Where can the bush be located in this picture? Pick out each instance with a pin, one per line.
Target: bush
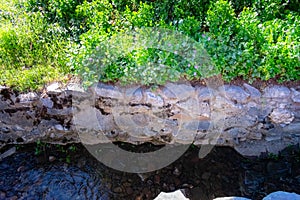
(253, 45)
(27, 45)
(41, 40)
(62, 12)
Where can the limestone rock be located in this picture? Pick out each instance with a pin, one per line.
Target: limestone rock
(281, 116)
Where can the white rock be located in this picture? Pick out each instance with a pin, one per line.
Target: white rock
(282, 116)
(177, 195)
(280, 195)
(75, 87)
(25, 98)
(54, 88)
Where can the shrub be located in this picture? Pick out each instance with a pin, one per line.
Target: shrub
(28, 44)
(62, 12)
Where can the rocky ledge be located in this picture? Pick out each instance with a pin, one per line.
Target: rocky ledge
(250, 120)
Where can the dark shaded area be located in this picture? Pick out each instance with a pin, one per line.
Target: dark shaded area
(43, 171)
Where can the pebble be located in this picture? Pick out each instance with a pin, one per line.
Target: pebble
(21, 169)
(176, 172)
(52, 158)
(117, 190)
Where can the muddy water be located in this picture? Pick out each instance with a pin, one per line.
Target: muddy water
(56, 172)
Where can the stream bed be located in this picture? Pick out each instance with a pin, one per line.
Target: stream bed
(44, 171)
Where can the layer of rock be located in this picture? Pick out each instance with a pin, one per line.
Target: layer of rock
(245, 118)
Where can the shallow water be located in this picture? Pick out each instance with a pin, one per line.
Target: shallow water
(71, 173)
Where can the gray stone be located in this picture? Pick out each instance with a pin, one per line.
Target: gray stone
(137, 96)
(192, 108)
(59, 112)
(191, 125)
(185, 136)
(59, 127)
(168, 95)
(281, 116)
(204, 94)
(204, 110)
(251, 148)
(276, 92)
(254, 93)
(108, 91)
(75, 87)
(4, 104)
(181, 91)
(234, 134)
(295, 96)
(236, 93)
(292, 128)
(29, 97)
(203, 125)
(173, 114)
(7, 153)
(280, 195)
(271, 138)
(153, 99)
(47, 102)
(225, 106)
(4, 129)
(240, 121)
(254, 135)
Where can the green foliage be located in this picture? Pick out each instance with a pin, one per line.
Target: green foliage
(31, 52)
(269, 9)
(43, 40)
(62, 12)
(254, 45)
